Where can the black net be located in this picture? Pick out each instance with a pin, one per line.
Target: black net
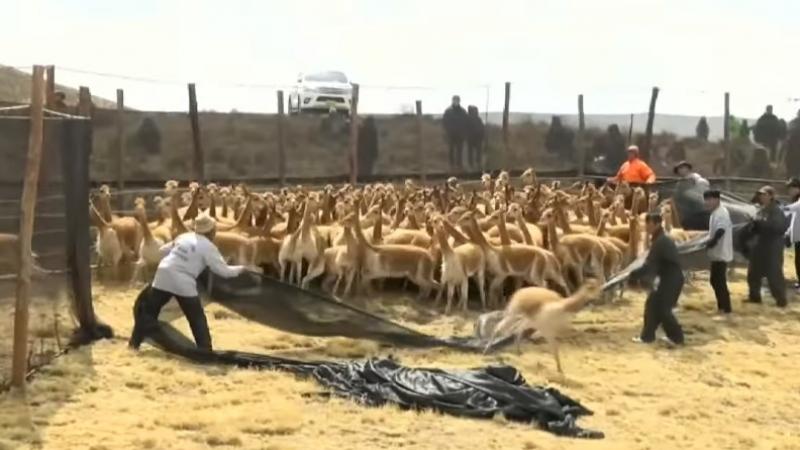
(60, 295)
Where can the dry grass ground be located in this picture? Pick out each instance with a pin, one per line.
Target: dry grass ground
(735, 386)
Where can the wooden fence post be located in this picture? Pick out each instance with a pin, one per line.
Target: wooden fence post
(19, 366)
(630, 131)
(354, 136)
(50, 86)
(84, 102)
(421, 167)
(121, 143)
(648, 132)
(726, 141)
(281, 142)
(506, 104)
(199, 160)
(581, 145)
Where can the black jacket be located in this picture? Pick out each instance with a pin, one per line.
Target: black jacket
(455, 122)
(663, 261)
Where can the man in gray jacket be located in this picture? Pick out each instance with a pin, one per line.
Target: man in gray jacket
(766, 256)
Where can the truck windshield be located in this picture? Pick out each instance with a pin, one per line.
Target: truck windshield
(337, 77)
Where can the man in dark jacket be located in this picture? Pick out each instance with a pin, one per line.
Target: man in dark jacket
(559, 139)
(475, 136)
(767, 131)
(662, 261)
(455, 127)
(367, 146)
(766, 256)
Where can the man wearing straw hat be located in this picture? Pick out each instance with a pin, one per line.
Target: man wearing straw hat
(186, 258)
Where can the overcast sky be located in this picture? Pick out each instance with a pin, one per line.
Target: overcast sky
(612, 51)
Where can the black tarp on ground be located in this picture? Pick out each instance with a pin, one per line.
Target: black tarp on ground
(289, 308)
(477, 393)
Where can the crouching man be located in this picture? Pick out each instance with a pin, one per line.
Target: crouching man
(187, 257)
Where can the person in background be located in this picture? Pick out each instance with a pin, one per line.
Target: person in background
(367, 150)
(559, 139)
(634, 170)
(662, 261)
(793, 232)
(186, 258)
(475, 138)
(702, 130)
(684, 170)
(767, 132)
(455, 127)
(766, 256)
(720, 248)
(792, 147)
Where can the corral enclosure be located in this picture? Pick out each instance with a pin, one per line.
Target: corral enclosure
(242, 145)
(57, 280)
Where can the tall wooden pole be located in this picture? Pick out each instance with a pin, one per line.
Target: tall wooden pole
(422, 169)
(506, 104)
(354, 136)
(581, 147)
(630, 131)
(648, 132)
(84, 102)
(199, 159)
(19, 366)
(50, 86)
(726, 139)
(281, 142)
(120, 156)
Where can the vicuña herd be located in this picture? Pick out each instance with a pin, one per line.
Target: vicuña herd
(438, 238)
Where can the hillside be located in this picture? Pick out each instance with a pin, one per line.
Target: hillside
(15, 87)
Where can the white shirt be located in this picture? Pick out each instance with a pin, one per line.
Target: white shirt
(188, 256)
(721, 220)
(794, 229)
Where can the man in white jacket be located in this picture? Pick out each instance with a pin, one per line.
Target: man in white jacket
(187, 257)
(793, 232)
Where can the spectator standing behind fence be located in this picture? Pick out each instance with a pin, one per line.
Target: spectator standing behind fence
(701, 131)
(634, 170)
(767, 131)
(559, 139)
(611, 147)
(475, 138)
(455, 122)
(792, 146)
(367, 146)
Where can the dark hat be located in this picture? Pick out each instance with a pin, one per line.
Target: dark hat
(793, 182)
(769, 190)
(711, 193)
(686, 164)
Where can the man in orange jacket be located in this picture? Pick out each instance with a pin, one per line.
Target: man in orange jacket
(634, 170)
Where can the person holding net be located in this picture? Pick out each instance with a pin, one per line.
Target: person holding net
(186, 258)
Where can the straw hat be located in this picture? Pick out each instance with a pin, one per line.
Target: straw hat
(204, 224)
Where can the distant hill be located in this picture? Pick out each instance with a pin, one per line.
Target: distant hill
(15, 87)
(678, 125)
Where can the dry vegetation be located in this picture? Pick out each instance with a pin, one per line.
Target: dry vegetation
(15, 87)
(734, 386)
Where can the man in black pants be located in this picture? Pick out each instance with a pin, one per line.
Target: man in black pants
(720, 248)
(455, 122)
(662, 260)
(186, 257)
(766, 257)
